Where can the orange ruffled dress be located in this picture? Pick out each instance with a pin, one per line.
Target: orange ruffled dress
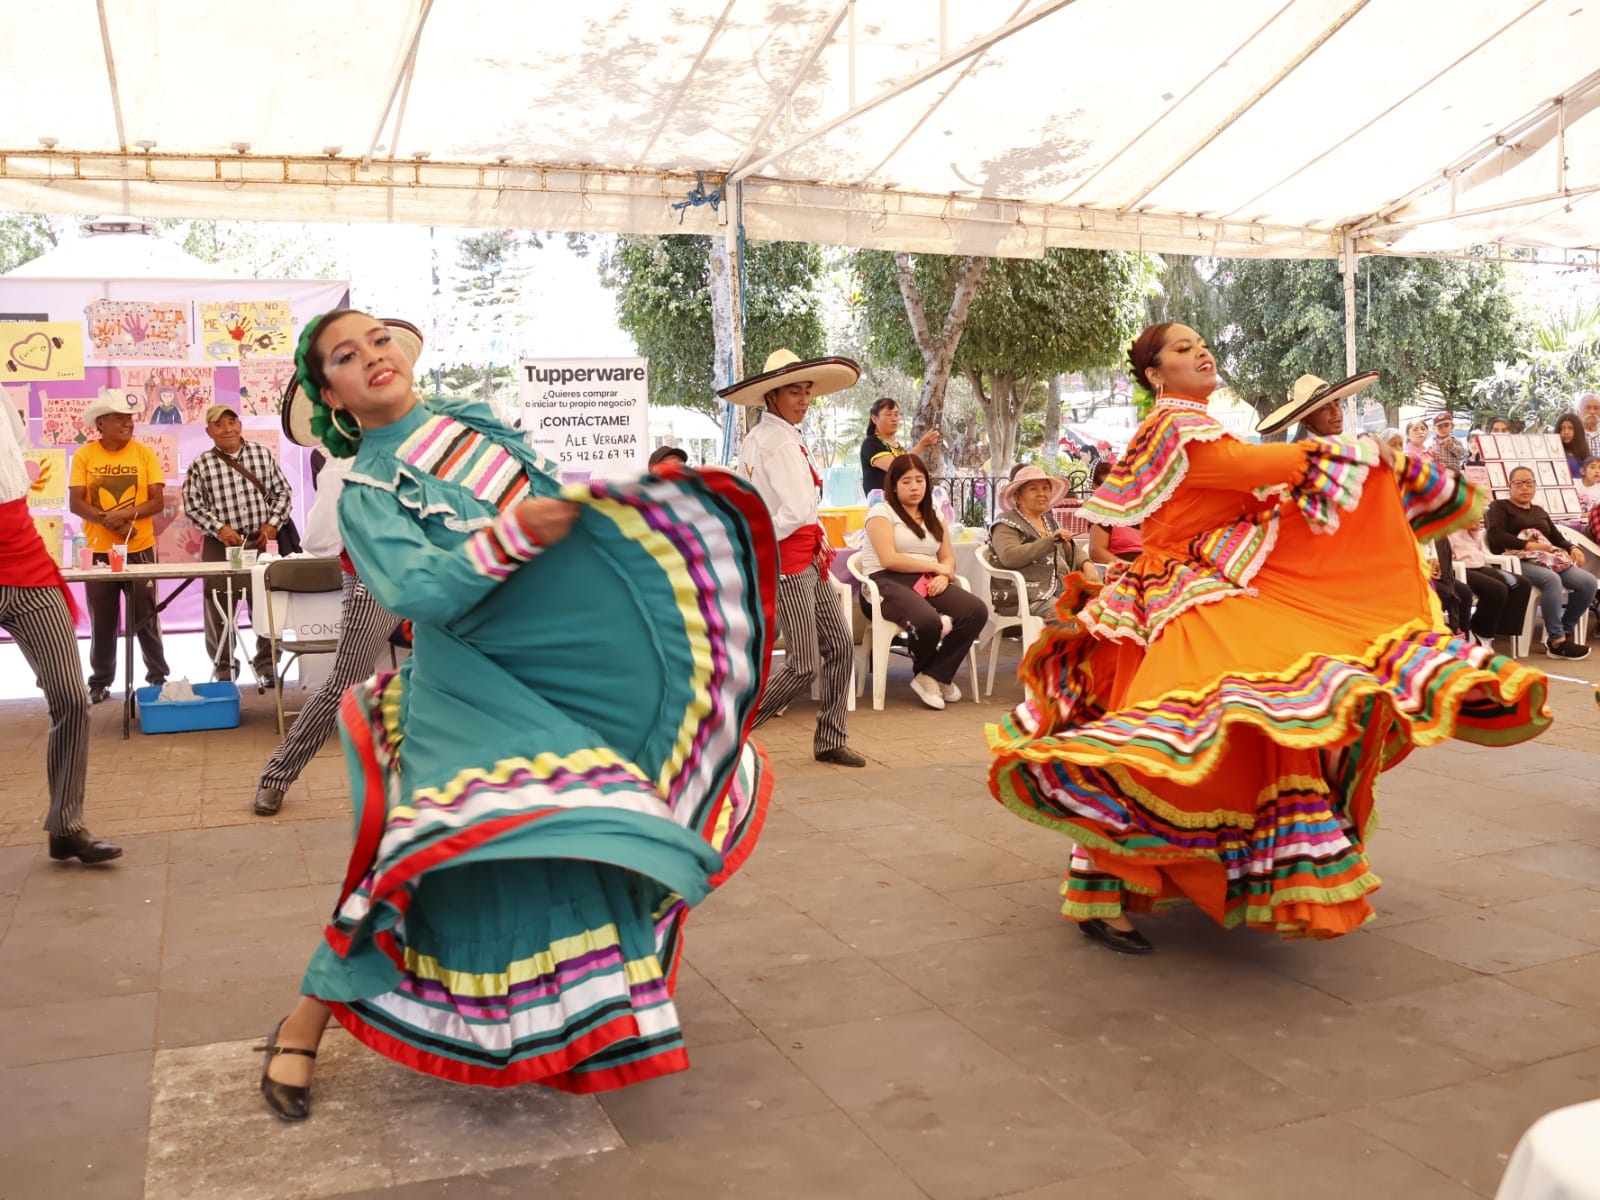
(1211, 725)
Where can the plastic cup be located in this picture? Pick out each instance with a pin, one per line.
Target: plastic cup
(250, 557)
(236, 557)
(118, 556)
(86, 558)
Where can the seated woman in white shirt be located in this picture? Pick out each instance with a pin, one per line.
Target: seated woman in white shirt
(907, 553)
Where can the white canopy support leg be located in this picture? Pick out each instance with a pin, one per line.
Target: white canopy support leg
(727, 316)
(1347, 266)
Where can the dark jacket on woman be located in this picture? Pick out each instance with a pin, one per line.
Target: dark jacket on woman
(1016, 545)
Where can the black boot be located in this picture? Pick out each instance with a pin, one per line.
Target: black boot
(83, 846)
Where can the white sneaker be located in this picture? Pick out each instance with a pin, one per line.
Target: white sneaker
(927, 691)
(951, 693)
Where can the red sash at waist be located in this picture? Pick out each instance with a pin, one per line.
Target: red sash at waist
(24, 562)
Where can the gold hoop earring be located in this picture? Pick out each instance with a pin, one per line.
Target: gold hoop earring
(333, 416)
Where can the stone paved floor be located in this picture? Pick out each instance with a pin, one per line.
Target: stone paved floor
(883, 1004)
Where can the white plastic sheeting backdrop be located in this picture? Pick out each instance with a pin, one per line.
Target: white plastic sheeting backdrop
(1255, 127)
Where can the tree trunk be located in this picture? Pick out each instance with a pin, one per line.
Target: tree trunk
(1002, 403)
(938, 351)
(1052, 421)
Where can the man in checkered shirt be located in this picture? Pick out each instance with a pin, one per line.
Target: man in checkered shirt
(228, 506)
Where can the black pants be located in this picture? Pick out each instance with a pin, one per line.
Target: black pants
(932, 655)
(105, 603)
(220, 629)
(1455, 598)
(1501, 605)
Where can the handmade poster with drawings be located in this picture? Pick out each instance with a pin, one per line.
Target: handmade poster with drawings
(47, 478)
(1497, 473)
(270, 438)
(1545, 472)
(178, 539)
(41, 350)
(137, 329)
(173, 395)
(166, 447)
(262, 382)
(234, 329)
(51, 531)
(61, 420)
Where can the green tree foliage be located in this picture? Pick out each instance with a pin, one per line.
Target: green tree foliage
(1558, 361)
(664, 305)
(1071, 310)
(23, 238)
(1430, 327)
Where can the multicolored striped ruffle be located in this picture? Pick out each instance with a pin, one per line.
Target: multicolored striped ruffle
(1437, 502)
(1151, 467)
(1156, 589)
(497, 550)
(1293, 856)
(1336, 471)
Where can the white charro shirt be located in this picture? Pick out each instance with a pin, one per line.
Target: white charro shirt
(775, 459)
(13, 469)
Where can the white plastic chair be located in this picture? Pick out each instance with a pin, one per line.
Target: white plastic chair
(884, 631)
(1030, 625)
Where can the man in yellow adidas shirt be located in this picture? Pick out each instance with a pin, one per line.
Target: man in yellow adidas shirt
(116, 487)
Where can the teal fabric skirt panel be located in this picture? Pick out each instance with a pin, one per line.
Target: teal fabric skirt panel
(545, 789)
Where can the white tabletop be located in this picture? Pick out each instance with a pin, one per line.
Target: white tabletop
(100, 572)
(1558, 1158)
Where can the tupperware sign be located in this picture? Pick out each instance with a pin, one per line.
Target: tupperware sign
(589, 414)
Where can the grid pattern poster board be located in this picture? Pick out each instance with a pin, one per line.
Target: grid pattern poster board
(1541, 453)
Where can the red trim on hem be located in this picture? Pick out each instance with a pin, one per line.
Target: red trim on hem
(553, 1070)
(747, 844)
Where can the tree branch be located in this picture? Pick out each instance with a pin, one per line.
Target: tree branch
(972, 272)
(916, 314)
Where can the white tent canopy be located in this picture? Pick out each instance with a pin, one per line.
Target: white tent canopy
(1259, 127)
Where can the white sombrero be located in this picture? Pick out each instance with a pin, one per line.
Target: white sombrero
(295, 409)
(827, 375)
(112, 402)
(1309, 394)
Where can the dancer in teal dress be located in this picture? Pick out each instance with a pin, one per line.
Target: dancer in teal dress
(562, 768)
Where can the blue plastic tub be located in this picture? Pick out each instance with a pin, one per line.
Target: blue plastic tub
(217, 708)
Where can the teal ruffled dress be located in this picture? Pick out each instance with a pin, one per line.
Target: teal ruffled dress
(562, 768)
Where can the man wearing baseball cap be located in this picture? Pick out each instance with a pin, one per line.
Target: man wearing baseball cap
(236, 494)
(117, 487)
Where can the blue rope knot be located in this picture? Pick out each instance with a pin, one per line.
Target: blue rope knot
(698, 195)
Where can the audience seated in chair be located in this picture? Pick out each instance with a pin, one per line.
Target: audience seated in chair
(907, 553)
(1112, 543)
(1026, 538)
(1550, 563)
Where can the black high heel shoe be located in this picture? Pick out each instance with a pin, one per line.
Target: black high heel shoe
(290, 1103)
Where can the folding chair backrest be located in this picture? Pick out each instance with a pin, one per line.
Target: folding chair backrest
(305, 575)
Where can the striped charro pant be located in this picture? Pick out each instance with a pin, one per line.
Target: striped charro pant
(814, 636)
(38, 621)
(364, 627)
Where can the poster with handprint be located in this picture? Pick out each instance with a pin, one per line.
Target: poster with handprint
(261, 385)
(137, 329)
(235, 329)
(40, 350)
(173, 395)
(178, 539)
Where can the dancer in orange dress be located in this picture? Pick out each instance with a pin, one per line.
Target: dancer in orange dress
(1211, 724)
